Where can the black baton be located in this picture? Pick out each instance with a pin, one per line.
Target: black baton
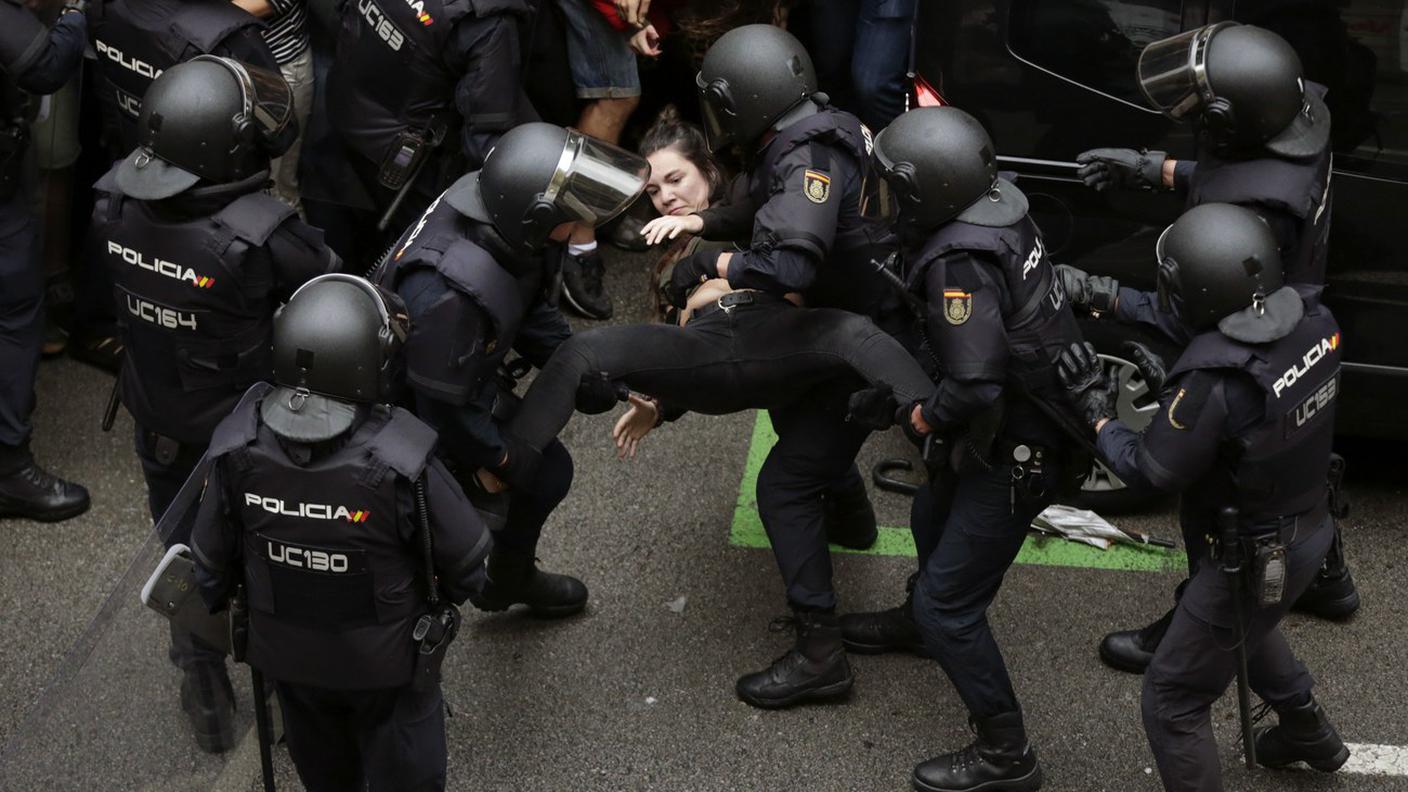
(261, 727)
(1232, 566)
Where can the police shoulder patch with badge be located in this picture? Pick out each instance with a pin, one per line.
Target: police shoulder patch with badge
(816, 185)
(958, 306)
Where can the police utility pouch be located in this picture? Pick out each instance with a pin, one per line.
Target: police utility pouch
(1268, 571)
(433, 634)
(172, 592)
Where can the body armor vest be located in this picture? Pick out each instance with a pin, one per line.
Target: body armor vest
(458, 248)
(1279, 467)
(334, 580)
(1299, 188)
(846, 278)
(390, 75)
(1038, 324)
(195, 307)
(136, 40)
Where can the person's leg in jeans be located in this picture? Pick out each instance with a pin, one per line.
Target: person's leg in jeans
(827, 28)
(605, 73)
(298, 73)
(881, 59)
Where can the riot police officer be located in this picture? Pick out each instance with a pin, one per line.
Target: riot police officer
(329, 507)
(1246, 420)
(471, 273)
(201, 256)
(1264, 143)
(33, 60)
(806, 209)
(995, 320)
(420, 92)
(135, 41)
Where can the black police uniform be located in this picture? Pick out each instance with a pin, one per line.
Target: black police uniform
(428, 74)
(196, 284)
(33, 60)
(1248, 425)
(997, 319)
(472, 301)
(136, 40)
(326, 540)
(810, 233)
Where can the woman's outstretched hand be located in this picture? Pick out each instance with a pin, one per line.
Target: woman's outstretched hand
(670, 226)
(633, 425)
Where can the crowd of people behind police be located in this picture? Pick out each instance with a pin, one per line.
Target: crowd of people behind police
(348, 459)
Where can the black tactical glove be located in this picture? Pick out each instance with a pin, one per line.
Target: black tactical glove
(1149, 364)
(1093, 293)
(689, 272)
(874, 408)
(1104, 168)
(1088, 390)
(598, 394)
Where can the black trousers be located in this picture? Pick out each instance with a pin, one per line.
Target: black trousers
(165, 466)
(968, 536)
(21, 323)
(801, 364)
(377, 740)
(1195, 663)
(760, 356)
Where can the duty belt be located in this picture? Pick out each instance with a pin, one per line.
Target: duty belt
(734, 299)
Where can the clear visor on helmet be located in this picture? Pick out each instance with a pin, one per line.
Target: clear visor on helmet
(595, 181)
(1167, 281)
(1173, 72)
(716, 106)
(268, 102)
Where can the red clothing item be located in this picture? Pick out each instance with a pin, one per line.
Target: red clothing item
(658, 15)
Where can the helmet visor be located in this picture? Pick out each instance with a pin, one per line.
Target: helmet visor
(1173, 72)
(595, 181)
(268, 101)
(716, 106)
(1167, 281)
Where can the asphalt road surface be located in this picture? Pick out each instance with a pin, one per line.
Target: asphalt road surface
(637, 693)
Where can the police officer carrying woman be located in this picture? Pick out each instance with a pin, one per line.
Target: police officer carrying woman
(810, 216)
(995, 320)
(471, 273)
(201, 257)
(1246, 421)
(347, 536)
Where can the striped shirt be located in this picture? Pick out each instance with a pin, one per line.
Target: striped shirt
(286, 32)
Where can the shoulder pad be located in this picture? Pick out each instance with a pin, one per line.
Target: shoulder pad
(241, 426)
(484, 8)
(207, 24)
(404, 443)
(254, 217)
(1212, 350)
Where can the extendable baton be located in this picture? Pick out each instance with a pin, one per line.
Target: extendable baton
(1233, 563)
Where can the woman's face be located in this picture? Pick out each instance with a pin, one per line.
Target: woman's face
(676, 187)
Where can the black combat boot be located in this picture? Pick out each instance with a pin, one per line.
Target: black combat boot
(31, 492)
(1332, 594)
(878, 632)
(1000, 760)
(1302, 734)
(849, 518)
(514, 579)
(1131, 650)
(209, 702)
(815, 668)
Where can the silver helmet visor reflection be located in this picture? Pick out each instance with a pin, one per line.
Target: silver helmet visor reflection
(1173, 72)
(594, 180)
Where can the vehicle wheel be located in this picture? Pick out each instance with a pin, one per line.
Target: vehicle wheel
(1135, 406)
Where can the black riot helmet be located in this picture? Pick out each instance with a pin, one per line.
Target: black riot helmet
(1219, 266)
(337, 344)
(1241, 83)
(210, 118)
(749, 80)
(540, 176)
(940, 166)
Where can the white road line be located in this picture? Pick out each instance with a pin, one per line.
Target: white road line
(1370, 759)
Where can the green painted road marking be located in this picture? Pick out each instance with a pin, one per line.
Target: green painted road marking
(747, 529)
